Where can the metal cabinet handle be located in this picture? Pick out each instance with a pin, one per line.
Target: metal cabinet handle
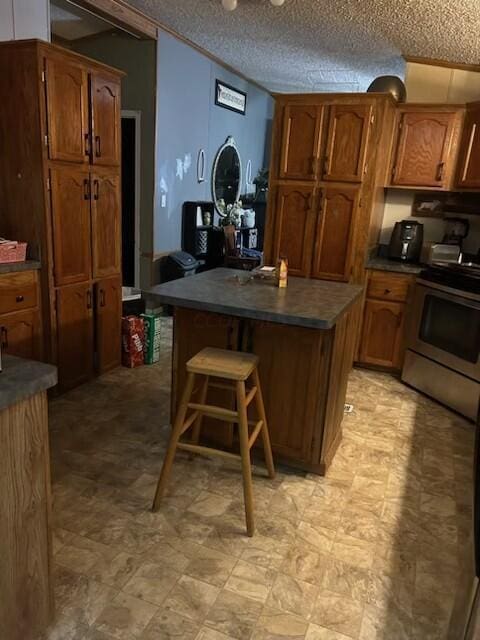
(4, 337)
(19, 299)
(325, 164)
(440, 169)
(96, 189)
(89, 299)
(87, 144)
(102, 297)
(201, 166)
(98, 148)
(387, 291)
(86, 189)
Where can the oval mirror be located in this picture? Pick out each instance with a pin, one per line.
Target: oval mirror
(226, 175)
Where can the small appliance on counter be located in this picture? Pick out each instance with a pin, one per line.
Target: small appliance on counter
(438, 252)
(406, 241)
(180, 264)
(456, 230)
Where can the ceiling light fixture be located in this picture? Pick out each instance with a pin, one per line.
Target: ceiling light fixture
(231, 5)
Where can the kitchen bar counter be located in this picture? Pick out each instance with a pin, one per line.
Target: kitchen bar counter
(316, 304)
(14, 267)
(22, 378)
(304, 336)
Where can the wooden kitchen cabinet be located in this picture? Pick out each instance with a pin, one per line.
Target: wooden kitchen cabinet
(108, 312)
(106, 207)
(346, 151)
(468, 175)
(75, 347)
(294, 227)
(106, 107)
(335, 233)
(67, 110)
(20, 334)
(70, 198)
(302, 127)
(425, 148)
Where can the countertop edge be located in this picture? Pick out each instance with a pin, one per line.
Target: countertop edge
(24, 379)
(18, 267)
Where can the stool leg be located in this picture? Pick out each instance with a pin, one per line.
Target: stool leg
(245, 455)
(172, 444)
(263, 416)
(197, 425)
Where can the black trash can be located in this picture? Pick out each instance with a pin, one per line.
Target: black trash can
(179, 265)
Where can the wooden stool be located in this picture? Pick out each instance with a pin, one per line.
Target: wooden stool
(229, 365)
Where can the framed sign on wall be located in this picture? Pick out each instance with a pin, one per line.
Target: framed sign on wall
(228, 97)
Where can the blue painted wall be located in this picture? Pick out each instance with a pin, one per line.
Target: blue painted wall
(188, 120)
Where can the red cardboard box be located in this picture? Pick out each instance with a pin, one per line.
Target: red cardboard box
(133, 337)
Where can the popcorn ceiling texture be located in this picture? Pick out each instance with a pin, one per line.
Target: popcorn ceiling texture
(324, 45)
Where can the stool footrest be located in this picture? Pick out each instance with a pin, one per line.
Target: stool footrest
(214, 412)
(254, 434)
(207, 451)
(250, 395)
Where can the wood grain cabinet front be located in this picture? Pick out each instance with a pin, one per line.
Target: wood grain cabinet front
(105, 98)
(424, 151)
(382, 333)
(302, 127)
(106, 208)
(20, 334)
(108, 313)
(468, 175)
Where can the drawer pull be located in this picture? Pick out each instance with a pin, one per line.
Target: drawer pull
(387, 291)
(19, 298)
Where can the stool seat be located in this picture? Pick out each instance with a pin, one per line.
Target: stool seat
(219, 363)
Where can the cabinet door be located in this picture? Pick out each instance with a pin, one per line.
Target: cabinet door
(20, 334)
(106, 235)
(105, 96)
(70, 198)
(382, 335)
(469, 160)
(423, 149)
(294, 227)
(75, 334)
(335, 235)
(346, 150)
(302, 125)
(108, 297)
(67, 111)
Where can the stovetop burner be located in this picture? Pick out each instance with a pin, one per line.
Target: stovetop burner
(464, 276)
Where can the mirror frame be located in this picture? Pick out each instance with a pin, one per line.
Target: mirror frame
(230, 142)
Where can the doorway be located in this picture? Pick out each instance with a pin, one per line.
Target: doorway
(131, 198)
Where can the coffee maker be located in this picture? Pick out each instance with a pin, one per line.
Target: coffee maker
(406, 241)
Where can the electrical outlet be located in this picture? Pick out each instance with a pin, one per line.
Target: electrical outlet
(163, 201)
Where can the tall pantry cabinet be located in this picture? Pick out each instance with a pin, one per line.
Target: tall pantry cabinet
(60, 191)
(327, 171)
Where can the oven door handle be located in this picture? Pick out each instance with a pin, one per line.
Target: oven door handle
(450, 292)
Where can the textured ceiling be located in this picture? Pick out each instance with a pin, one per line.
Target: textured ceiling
(324, 45)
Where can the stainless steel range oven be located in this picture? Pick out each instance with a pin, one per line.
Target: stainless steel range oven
(443, 343)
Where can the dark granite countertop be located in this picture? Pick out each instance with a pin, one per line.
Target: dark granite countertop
(22, 378)
(13, 267)
(316, 304)
(385, 264)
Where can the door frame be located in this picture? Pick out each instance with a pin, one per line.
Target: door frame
(137, 116)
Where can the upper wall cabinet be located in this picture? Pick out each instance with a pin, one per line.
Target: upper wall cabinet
(346, 152)
(425, 149)
(302, 127)
(468, 175)
(105, 96)
(67, 110)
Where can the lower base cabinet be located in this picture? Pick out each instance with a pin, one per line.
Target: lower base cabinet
(20, 334)
(382, 338)
(108, 317)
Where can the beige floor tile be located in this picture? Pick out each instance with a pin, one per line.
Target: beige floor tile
(346, 580)
(304, 564)
(125, 617)
(379, 624)
(191, 598)
(209, 504)
(338, 613)
(359, 524)
(277, 625)
(368, 487)
(292, 595)
(233, 615)
(251, 581)
(210, 634)
(315, 537)
(152, 582)
(316, 632)
(169, 625)
(359, 553)
(210, 566)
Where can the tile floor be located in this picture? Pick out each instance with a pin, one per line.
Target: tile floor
(370, 552)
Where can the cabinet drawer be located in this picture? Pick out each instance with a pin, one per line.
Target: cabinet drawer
(388, 286)
(18, 291)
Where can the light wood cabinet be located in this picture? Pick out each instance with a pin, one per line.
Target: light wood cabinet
(294, 227)
(108, 312)
(106, 206)
(347, 144)
(468, 175)
(424, 153)
(105, 95)
(334, 237)
(67, 110)
(302, 127)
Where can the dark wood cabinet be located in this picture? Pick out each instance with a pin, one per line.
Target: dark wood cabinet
(20, 334)
(106, 206)
(108, 312)
(294, 227)
(348, 133)
(70, 197)
(424, 150)
(106, 107)
(302, 126)
(468, 175)
(335, 233)
(67, 110)
(75, 345)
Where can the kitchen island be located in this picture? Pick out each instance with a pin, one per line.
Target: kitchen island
(304, 336)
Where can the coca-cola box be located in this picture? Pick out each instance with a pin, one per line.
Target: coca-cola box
(133, 338)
